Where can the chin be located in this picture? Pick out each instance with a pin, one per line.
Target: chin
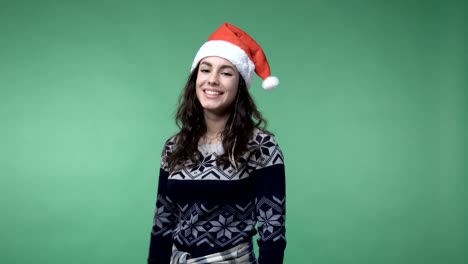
(215, 110)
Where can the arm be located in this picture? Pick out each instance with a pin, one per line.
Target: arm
(165, 217)
(270, 188)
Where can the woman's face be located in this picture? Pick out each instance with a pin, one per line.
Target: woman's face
(217, 84)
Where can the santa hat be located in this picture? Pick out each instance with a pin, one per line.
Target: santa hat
(235, 45)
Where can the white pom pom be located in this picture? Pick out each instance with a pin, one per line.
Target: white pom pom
(270, 82)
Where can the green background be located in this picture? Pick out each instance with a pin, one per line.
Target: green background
(371, 113)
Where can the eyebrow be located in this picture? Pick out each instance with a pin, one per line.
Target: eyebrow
(222, 66)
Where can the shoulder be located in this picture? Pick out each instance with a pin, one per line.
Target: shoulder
(262, 138)
(169, 145)
(167, 149)
(264, 149)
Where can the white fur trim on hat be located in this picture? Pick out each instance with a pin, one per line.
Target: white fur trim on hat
(230, 52)
(270, 82)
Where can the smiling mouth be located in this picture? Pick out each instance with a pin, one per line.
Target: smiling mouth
(212, 92)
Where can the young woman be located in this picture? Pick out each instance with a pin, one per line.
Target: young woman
(222, 176)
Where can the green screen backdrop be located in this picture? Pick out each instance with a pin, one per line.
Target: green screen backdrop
(371, 113)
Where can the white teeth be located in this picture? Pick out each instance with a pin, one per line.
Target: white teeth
(212, 92)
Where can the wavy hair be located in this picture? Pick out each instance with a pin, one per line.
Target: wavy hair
(239, 129)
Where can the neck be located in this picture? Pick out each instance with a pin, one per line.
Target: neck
(215, 124)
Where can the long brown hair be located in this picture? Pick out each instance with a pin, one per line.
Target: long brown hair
(242, 122)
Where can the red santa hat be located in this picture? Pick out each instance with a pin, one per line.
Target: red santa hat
(235, 45)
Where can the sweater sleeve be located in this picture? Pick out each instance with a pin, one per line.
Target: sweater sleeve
(270, 188)
(165, 218)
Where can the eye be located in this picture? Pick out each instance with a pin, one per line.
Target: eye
(227, 73)
(204, 70)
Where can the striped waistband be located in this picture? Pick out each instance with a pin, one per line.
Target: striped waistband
(240, 254)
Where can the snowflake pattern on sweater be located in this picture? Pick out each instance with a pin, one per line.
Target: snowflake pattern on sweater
(203, 208)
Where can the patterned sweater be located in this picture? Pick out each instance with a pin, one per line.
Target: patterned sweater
(204, 208)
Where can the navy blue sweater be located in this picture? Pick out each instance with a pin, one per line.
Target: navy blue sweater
(204, 208)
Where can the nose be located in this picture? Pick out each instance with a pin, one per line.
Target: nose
(213, 79)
